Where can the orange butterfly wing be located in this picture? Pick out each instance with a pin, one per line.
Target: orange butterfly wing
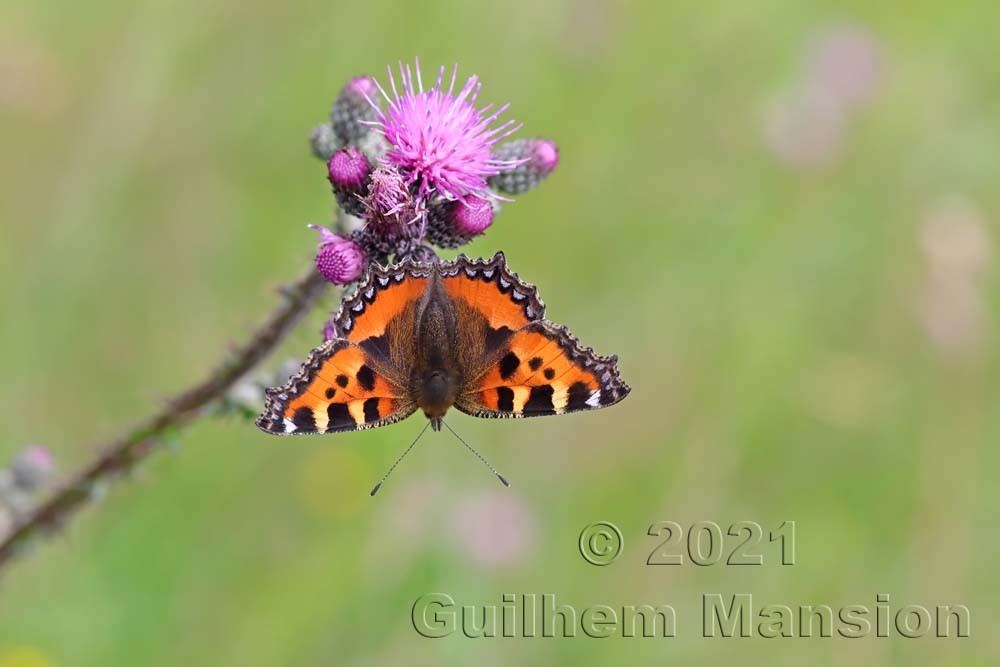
(493, 291)
(537, 367)
(337, 389)
(381, 297)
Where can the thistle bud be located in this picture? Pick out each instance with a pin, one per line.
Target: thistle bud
(455, 223)
(340, 260)
(329, 329)
(32, 468)
(324, 142)
(351, 108)
(349, 171)
(533, 160)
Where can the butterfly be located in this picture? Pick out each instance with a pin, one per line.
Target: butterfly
(429, 336)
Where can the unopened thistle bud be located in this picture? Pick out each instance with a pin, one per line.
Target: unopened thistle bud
(339, 259)
(351, 108)
(537, 157)
(349, 171)
(329, 328)
(324, 142)
(453, 224)
(32, 468)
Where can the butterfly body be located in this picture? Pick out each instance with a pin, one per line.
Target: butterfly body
(463, 333)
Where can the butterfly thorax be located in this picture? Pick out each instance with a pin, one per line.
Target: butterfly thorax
(434, 380)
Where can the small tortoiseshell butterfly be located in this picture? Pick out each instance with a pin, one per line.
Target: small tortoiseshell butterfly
(467, 333)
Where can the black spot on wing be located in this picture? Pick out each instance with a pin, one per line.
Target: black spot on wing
(549, 373)
(509, 364)
(330, 392)
(366, 378)
(339, 417)
(535, 363)
(577, 396)
(505, 399)
(540, 401)
(371, 409)
(303, 419)
(496, 338)
(342, 380)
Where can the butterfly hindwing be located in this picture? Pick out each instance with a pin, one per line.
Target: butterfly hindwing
(339, 388)
(543, 370)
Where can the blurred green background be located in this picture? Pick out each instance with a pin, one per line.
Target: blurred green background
(781, 215)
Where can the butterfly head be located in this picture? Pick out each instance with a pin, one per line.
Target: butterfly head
(437, 393)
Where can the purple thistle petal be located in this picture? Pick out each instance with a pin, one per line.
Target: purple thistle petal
(439, 141)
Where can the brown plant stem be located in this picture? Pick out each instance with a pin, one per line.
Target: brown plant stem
(135, 445)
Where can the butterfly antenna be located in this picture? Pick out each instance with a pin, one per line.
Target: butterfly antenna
(479, 456)
(400, 458)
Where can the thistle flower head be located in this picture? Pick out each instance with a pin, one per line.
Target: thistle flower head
(473, 216)
(396, 218)
(348, 170)
(453, 224)
(390, 200)
(534, 160)
(330, 328)
(437, 138)
(340, 260)
(351, 110)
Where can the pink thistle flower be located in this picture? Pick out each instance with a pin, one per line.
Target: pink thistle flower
(472, 217)
(340, 260)
(396, 219)
(535, 159)
(348, 170)
(453, 224)
(437, 138)
(389, 199)
(330, 328)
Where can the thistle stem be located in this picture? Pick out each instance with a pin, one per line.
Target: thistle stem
(120, 455)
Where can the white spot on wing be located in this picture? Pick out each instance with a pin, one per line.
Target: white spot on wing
(289, 425)
(595, 399)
